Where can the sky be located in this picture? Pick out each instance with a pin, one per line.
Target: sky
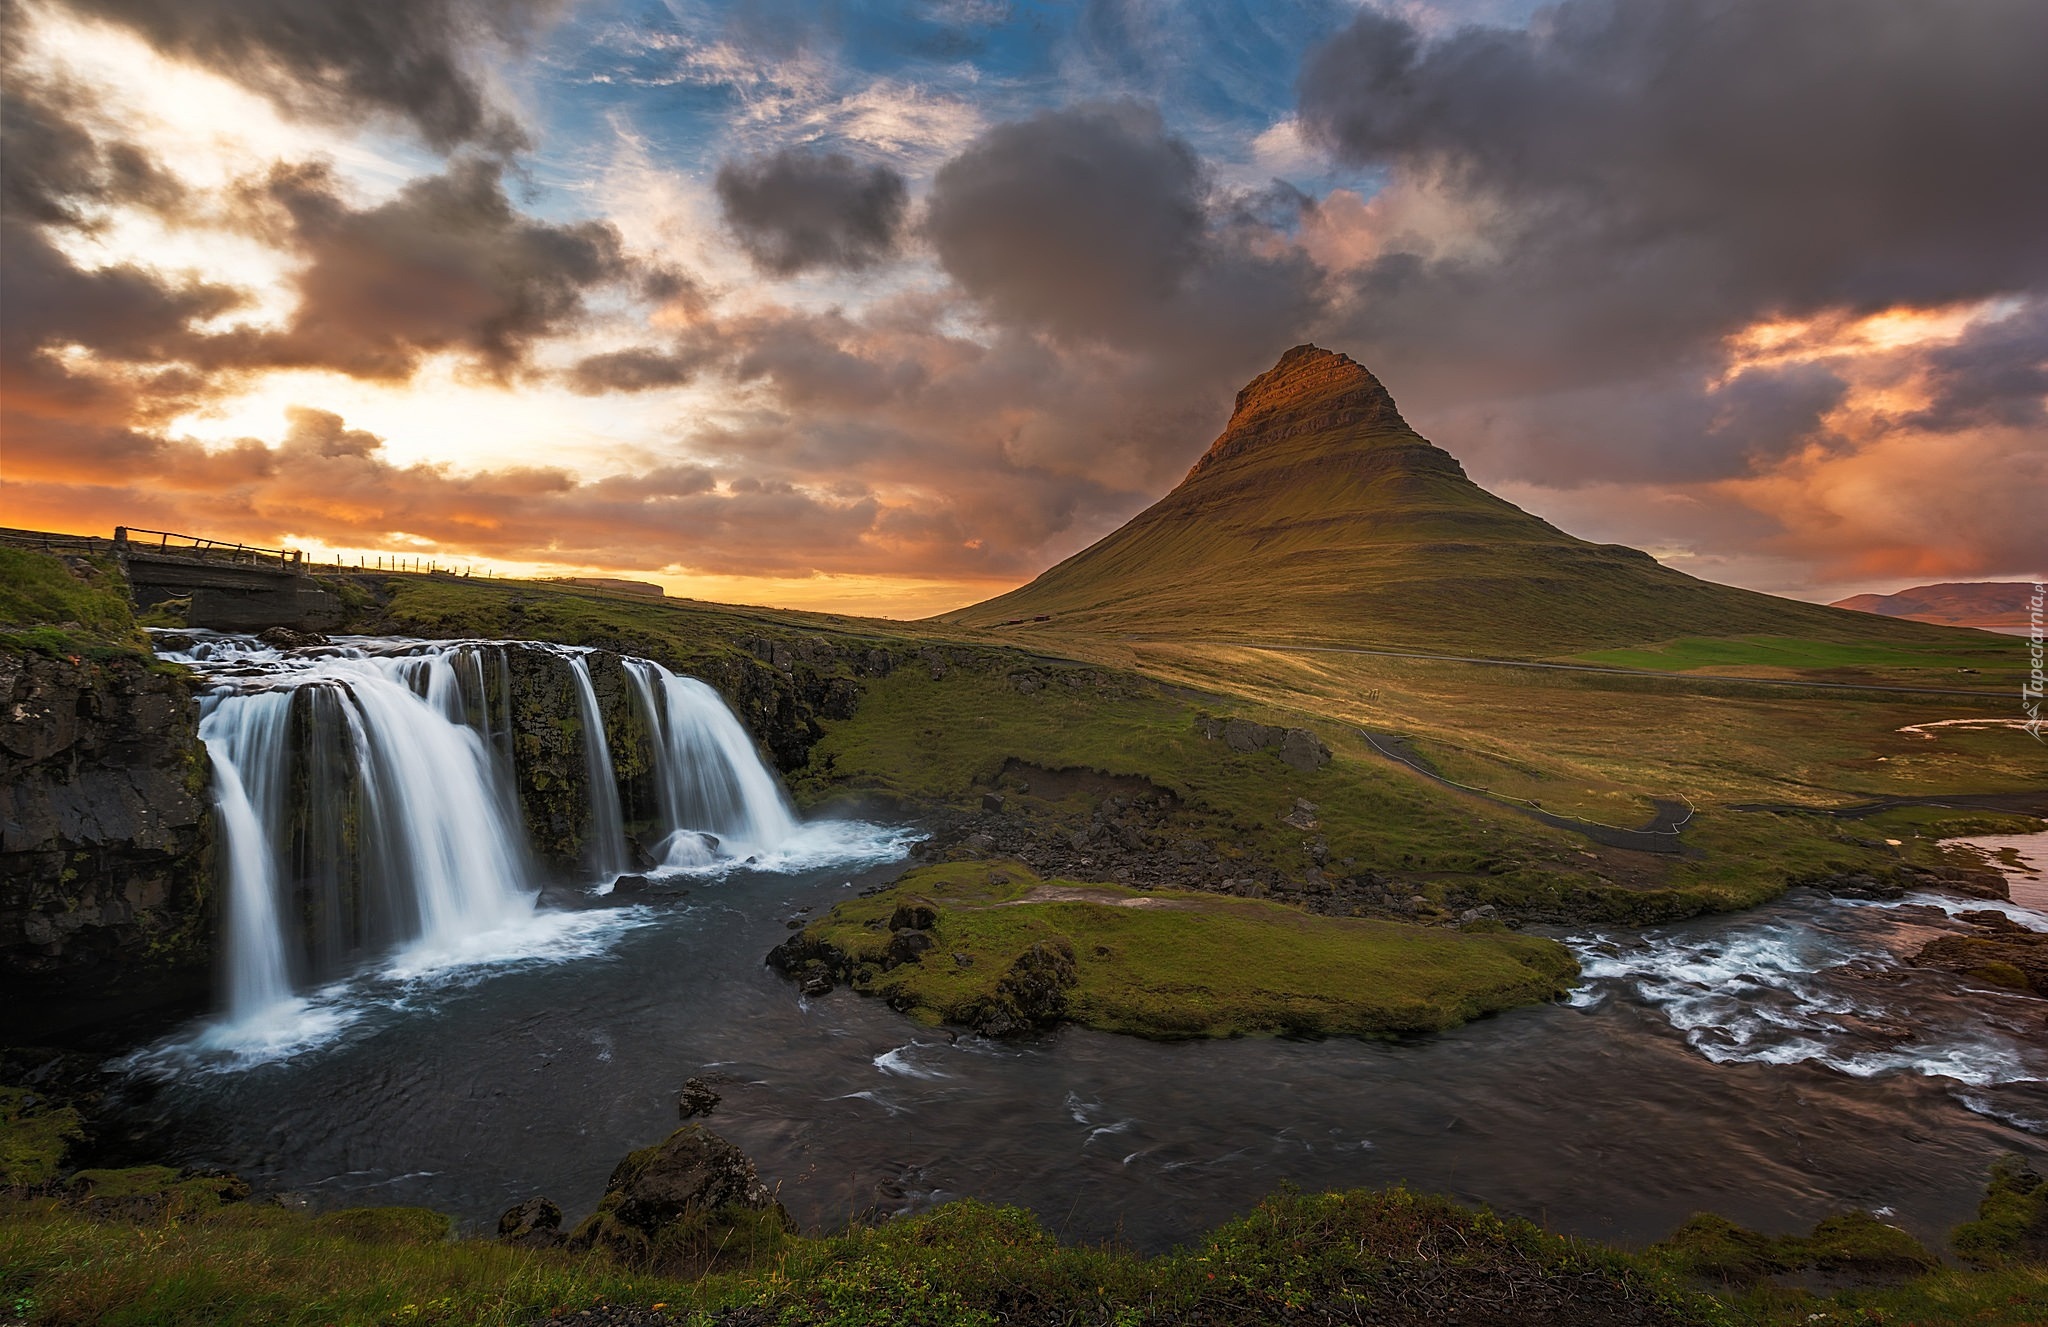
(885, 308)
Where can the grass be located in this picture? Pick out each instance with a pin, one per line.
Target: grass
(74, 607)
(1991, 657)
(1169, 963)
(35, 1135)
(1391, 1257)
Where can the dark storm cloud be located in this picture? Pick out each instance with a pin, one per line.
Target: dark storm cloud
(1634, 181)
(1995, 374)
(345, 60)
(795, 210)
(1663, 169)
(638, 369)
(1072, 219)
(447, 264)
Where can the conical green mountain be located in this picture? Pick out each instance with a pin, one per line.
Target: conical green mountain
(1320, 516)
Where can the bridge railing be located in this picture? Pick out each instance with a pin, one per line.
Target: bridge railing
(170, 543)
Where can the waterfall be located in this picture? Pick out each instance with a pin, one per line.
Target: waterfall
(367, 800)
(606, 850)
(708, 778)
(395, 819)
(245, 737)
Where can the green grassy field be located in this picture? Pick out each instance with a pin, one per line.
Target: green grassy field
(1994, 660)
(1169, 963)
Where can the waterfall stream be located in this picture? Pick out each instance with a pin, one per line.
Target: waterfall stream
(606, 849)
(368, 799)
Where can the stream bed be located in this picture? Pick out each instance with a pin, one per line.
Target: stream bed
(1771, 1066)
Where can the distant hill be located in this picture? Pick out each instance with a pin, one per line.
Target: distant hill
(1319, 515)
(1986, 605)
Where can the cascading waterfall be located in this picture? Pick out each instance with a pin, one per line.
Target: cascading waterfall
(606, 850)
(241, 733)
(367, 799)
(708, 777)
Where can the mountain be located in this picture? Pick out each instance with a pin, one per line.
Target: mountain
(1987, 605)
(1319, 515)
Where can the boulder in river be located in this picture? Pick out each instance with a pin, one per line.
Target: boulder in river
(696, 1098)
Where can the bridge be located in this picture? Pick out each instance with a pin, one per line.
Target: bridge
(232, 587)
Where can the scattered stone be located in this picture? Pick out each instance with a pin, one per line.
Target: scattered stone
(696, 1099)
(285, 638)
(1302, 816)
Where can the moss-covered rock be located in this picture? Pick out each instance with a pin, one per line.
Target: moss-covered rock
(688, 1202)
(2012, 1220)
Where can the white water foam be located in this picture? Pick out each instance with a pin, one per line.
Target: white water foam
(1790, 991)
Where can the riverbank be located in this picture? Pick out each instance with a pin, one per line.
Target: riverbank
(160, 1246)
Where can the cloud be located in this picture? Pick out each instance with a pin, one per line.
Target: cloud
(796, 210)
(1656, 172)
(636, 369)
(343, 61)
(446, 265)
(1071, 219)
(1587, 223)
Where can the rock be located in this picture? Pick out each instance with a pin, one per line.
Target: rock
(992, 802)
(913, 916)
(906, 947)
(107, 885)
(1244, 736)
(1027, 683)
(535, 1223)
(1033, 994)
(978, 844)
(286, 638)
(1302, 816)
(631, 885)
(680, 1203)
(1303, 750)
(696, 1098)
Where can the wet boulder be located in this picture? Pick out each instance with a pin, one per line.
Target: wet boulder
(696, 1098)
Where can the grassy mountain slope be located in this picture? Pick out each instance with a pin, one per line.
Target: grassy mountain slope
(1319, 515)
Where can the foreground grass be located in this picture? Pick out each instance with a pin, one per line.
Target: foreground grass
(1168, 963)
(1391, 1257)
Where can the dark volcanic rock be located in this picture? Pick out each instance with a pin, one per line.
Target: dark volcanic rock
(106, 841)
(286, 638)
(696, 1099)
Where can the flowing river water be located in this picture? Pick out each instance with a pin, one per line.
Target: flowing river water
(1771, 1066)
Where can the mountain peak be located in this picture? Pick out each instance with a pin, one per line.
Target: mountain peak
(1309, 390)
